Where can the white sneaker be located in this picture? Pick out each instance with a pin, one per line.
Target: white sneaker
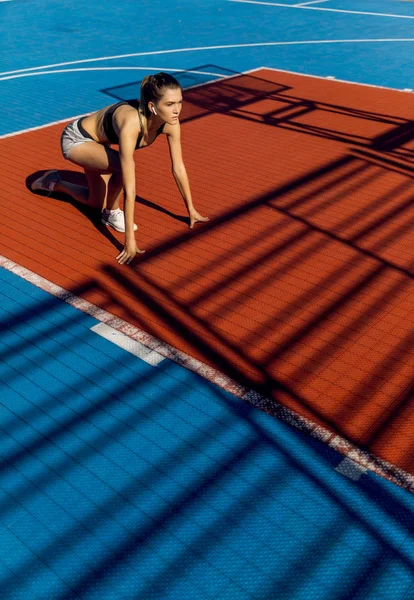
(47, 182)
(115, 219)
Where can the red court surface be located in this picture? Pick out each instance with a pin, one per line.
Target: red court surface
(301, 286)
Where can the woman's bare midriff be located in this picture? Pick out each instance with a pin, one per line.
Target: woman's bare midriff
(92, 124)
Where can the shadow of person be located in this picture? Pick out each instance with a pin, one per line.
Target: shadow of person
(71, 176)
(161, 209)
(91, 213)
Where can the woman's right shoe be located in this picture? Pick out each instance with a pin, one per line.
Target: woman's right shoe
(115, 219)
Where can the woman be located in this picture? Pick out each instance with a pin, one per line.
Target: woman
(132, 125)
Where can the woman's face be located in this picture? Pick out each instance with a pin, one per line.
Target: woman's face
(169, 106)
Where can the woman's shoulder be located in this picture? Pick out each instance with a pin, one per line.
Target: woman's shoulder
(126, 105)
(125, 112)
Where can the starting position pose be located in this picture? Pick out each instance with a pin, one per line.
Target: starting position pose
(131, 124)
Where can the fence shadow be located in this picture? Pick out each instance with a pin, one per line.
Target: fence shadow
(121, 482)
(302, 303)
(296, 345)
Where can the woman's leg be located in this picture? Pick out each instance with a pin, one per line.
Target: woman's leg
(112, 215)
(96, 157)
(103, 190)
(80, 193)
(100, 163)
(102, 168)
(114, 189)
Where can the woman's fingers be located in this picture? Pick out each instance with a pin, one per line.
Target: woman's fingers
(127, 256)
(122, 258)
(197, 218)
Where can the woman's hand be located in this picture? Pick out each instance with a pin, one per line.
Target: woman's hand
(195, 217)
(128, 253)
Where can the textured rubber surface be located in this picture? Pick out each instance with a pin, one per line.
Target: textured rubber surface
(301, 284)
(119, 479)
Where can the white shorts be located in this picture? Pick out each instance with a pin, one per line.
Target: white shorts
(73, 135)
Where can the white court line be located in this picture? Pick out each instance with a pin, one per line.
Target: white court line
(126, 343)
(337, 10)
(34, 73)
(29, 129)
(371, 85)
(351, 469)
(191, 87)
(312, 2)
(133, 333)
(204, 48)
(223, 77)
(365, 460)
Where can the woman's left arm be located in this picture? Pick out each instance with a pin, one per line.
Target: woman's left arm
(173, 133)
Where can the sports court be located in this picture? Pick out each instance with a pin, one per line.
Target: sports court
(231, 416)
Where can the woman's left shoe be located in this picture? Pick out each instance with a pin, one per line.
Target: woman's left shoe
(47, 182)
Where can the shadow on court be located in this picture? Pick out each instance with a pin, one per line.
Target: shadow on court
(300, 292)
(93, 214)
(188, 78)
(300, 288)
(146, 504)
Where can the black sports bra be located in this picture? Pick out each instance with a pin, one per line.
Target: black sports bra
(108, 125)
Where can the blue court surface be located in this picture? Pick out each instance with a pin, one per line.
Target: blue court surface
(123, 479)
(133, 478)
(64, 59)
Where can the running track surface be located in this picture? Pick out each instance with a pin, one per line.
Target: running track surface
(299, 290)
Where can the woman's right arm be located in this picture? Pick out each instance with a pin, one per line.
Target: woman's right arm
(127, 139)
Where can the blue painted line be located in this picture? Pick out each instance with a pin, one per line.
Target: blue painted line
(116, 474)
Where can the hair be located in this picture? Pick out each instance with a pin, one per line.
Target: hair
(152, 89)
